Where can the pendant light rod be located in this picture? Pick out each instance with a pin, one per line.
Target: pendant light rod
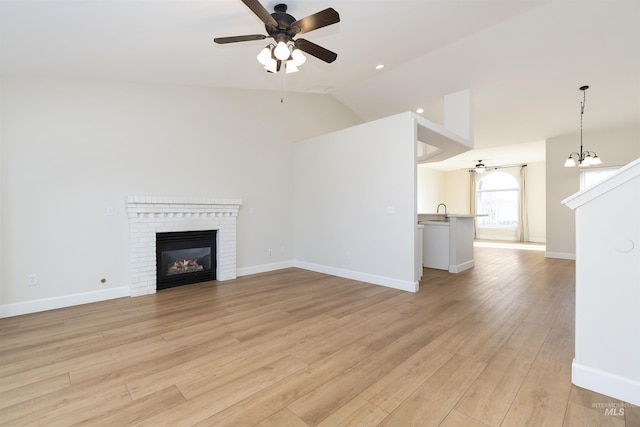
(584, 101)
(584, 157)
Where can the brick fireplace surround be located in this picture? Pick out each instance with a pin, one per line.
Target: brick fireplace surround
(151, 215)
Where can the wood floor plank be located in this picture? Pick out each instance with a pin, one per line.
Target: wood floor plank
(317, 405)
(430, 404)
(543, 396)
(48, 352)
(204, 405)
(560, 343)
(357, 412)
(599, 403)
(144, 380)
(482, 340)
(393, 389)
(490, 396)
(264, 403)
(282, 418)
(43, 371)
(67, 407)
(31, 391)
(214, 377)
(137, 410)
(457, 419)
(632, 415)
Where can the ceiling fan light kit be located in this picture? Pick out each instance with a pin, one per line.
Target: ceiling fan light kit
(282, 28)
(480, 167)
(584, 157)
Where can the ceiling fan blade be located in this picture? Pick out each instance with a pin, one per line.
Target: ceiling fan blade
(317, 20)
(261, 12)
(235, 39)
(318, 51)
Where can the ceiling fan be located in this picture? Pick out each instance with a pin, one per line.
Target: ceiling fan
(283, 27)
(480, 167)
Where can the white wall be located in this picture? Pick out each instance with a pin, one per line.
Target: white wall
(615, 147)
(355, 202)
(450, 188)
(71, 149)
(430, 189)
(456, 192)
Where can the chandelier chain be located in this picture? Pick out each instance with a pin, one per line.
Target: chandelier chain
(584, 158)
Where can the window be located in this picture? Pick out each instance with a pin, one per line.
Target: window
(497, 197)
(589, 177)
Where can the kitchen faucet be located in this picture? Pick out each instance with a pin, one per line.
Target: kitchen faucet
(438, 208)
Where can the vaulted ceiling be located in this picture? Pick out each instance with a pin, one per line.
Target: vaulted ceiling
(522, 60)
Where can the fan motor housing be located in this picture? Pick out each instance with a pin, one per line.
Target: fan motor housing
(284, 21)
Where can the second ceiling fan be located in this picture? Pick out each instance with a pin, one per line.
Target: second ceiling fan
(283, 27)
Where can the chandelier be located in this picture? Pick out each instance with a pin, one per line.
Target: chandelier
(584, 157)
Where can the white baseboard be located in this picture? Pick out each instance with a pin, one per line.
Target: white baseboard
(461, 267)
(559, 255)
(605, 383)
(246, 271)
(389, 282)
(537, 240)
(44, 304)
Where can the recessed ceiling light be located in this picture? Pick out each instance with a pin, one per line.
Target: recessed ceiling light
(420, 110)
(379, 66)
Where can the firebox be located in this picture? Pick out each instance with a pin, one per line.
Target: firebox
(185, 257)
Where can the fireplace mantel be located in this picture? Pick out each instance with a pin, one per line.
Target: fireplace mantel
(149, 215)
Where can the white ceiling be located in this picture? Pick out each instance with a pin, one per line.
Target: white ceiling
(522, 60)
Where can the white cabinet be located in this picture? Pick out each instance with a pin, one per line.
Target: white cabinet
(448, 243)
(460, 244)
(419, 248)
(435, 252)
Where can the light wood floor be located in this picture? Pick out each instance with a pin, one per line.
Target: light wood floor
(491, 346)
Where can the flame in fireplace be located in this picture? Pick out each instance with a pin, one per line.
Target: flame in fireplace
(184, 266)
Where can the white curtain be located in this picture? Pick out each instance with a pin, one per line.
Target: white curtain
(473, 181)
(523, 221)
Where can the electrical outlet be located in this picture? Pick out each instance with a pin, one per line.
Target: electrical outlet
(32, 279)
(269, 251)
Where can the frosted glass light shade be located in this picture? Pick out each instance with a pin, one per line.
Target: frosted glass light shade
(272, 65)
(298, 57)
(290, 67)
(264, 56)
(281, 51)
